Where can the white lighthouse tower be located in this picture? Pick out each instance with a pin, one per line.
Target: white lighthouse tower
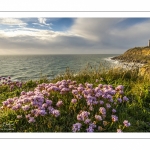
(149, 43)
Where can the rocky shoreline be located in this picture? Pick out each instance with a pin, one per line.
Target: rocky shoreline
(135, 55)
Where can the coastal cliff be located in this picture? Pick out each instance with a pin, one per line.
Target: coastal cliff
(137, 55)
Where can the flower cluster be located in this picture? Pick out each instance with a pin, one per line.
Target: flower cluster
(10, 83)
(99, 103)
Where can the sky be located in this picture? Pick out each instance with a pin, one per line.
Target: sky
(72, 35)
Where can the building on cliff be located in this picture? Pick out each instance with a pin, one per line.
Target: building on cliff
(149, 43)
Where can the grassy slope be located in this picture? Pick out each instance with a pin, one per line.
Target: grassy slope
(137, 89)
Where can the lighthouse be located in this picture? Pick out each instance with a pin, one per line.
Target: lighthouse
(149, 43)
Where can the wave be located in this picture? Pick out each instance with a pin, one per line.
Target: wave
(125, 65)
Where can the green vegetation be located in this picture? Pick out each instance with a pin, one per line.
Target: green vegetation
(136, 54)
(136, 110)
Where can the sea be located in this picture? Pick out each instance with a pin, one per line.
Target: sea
(32, 67)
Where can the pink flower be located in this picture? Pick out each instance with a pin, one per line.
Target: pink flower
(113, 110)
(102, 110)
(59, 103)
(114, 118)
(80, 89)
(44, 105)
(101, 102)
(76, 127)
(125, 98)
(73, 100)
(48, 102)
(108, 105)
(89, 85)
(119, 87)
(19, 116)
(98, 117)
(90, 129)
(126, 123)
(56, 113)
(119, 131)
(28, 116)
(5, 103)
(26, 107)
(87, 121)
(83, 115)
(119, 100)
(74, 92)
(31, 120)
(42, 112)
(23, 93)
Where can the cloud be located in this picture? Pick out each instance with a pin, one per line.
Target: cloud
(87, 35)
(107, 33)
(12, 21)
(43, 21)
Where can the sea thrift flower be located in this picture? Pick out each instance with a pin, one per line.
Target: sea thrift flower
(76, 127)
(44, 105)
(59, 103)
(98, 117)
(90, 129)
(14, 108)
(91, 108)
(31, 120)
(51, 109)
(114, 118)
(74, 92)
(80, 89)
(119, 87)
(26, 107)
(78, 96)
(48, 102)
(101, 102)
(108, 105)
(93, 125)
(111, 100)
(5, 103)
(56, 113)
(125, 98)
(119, 100)
(23, 93)
(19, 116)
(83, 115)
(126, 123)
(28, 116)
(87, 121)
(73, 101)
(98, 94)
(100, 85)
(102, 110)
(119, 131)
(89, 86)
(113, 110)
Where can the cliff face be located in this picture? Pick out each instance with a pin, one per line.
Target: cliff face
(137, 54)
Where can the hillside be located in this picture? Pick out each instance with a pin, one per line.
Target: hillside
(136, 54)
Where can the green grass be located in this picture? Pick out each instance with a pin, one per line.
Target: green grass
(136, 111)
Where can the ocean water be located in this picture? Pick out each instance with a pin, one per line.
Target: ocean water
(27, 67)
